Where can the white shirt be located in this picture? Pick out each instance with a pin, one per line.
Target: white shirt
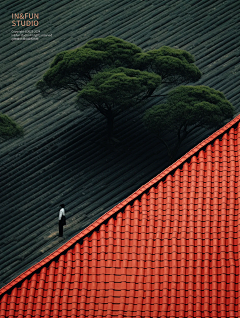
(61, 213)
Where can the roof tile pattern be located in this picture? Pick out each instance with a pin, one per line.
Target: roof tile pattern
(169, 250)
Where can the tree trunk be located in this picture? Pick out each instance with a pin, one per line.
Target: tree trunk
(170, 154)
(110, 123)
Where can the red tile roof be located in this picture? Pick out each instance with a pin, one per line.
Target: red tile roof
(171, 249)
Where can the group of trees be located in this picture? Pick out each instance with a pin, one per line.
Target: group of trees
(112, 75)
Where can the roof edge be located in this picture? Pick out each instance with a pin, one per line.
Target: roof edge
(119, 206)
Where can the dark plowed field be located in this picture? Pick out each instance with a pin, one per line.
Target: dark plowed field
(63, 156)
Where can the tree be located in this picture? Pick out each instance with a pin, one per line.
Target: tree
(112, 75)
(9, 128)
(188, 108)
(117, 89)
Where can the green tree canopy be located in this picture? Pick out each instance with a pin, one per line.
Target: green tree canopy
(175, 66)
(111, 74)
(9, 128)
(118, 88)
(186, 109)
(73, 69)
(118, 52)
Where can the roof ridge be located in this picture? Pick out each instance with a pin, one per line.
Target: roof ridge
(119, 206)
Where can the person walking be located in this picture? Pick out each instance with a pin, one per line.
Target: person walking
(61, 219)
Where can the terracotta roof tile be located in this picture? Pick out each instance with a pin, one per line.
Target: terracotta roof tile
(169, 250)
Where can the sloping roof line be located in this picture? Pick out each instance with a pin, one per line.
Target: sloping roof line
(119, 206)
